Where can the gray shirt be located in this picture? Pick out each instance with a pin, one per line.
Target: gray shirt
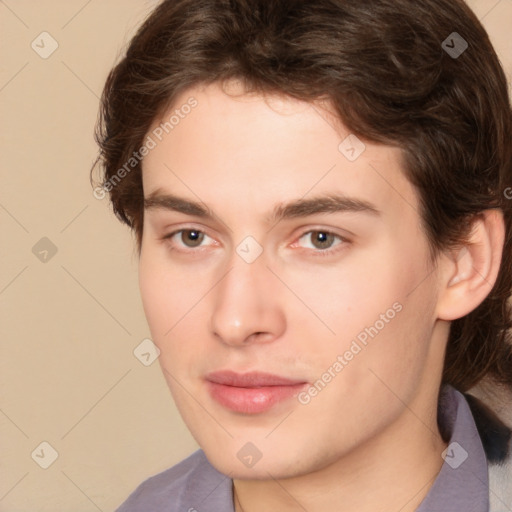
(194, 485)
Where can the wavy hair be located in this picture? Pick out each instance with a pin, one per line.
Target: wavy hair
(391, 71)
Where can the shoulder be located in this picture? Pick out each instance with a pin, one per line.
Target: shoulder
(182, 487)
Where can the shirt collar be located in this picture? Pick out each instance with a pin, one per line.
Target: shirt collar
(463, 482)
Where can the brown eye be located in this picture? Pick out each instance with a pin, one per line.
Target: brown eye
(322, 239)
(192, 237)
(321, 242)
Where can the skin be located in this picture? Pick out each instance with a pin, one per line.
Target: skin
(369, 440)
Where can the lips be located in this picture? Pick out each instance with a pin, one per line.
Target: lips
(253, 392)
(250, 380)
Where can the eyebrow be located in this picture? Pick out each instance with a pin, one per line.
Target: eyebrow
(331, 203)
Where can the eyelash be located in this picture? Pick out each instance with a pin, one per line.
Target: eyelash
(318, 252)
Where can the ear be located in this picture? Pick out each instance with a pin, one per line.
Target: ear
(468, 273)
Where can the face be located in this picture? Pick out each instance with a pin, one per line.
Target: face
(274, 245)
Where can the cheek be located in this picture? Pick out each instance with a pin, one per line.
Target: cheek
(174, 305)
(345, 299)
(166, 293)
(371, 312)
(155, 300)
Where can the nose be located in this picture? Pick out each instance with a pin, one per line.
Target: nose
(247, 306)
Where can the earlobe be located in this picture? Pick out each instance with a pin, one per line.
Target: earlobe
(469, 273)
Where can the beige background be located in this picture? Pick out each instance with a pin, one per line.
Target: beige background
(69, 325)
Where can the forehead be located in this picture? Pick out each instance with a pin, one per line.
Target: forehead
(254, 150)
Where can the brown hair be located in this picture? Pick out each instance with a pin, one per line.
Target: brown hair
(386, 67)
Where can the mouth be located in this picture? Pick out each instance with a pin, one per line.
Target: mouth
(253, 392)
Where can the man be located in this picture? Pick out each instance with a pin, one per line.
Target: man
(319, 195)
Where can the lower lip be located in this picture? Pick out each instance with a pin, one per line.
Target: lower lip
(252, 400)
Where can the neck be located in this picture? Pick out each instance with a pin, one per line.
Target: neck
(392, 471)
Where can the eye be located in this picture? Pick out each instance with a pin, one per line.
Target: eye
(188, 238)
(320, 240)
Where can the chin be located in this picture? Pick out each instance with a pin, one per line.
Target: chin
(234, 460)
(262, 470)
